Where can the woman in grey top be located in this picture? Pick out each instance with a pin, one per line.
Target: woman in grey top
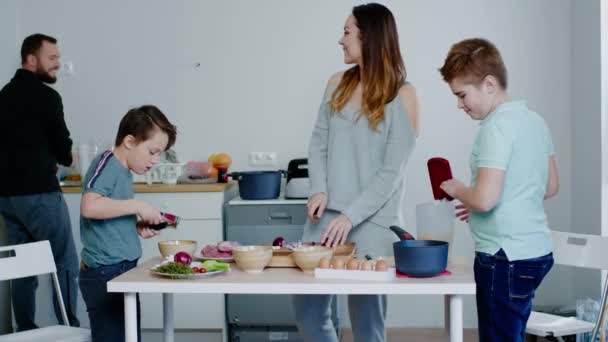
(363, 136)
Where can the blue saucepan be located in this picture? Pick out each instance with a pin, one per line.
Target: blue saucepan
(419, 258)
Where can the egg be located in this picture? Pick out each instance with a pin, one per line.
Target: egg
(353, 264)
(381, 266)
(325, 262)
(366, 266)
(338, 264)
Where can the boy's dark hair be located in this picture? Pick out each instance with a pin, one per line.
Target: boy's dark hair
(32, 43)
(473, 60)
(141, 123)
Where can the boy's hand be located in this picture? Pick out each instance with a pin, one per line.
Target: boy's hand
(452, 187)
(148, 213)
(146, 233)
(462, 213)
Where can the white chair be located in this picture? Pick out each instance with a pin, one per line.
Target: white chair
(32, 259)
(579, 250)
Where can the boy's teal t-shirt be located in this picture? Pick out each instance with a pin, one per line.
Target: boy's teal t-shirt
(518, 141)
(109, 241)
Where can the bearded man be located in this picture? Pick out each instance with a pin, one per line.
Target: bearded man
(34, 139)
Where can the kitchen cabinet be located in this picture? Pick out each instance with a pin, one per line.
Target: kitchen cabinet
(201, 212)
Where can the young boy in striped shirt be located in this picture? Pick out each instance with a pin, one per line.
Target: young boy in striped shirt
(109, 214)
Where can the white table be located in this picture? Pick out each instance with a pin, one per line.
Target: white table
(288, 281)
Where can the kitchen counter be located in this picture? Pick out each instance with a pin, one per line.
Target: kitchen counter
(162, 188)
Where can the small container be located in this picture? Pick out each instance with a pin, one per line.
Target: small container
(435, 221)
(171, 172)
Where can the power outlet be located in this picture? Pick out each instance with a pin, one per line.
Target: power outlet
(262, 158)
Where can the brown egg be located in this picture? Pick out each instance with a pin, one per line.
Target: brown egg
(381, 266)
(353, 264)
(338, 264)
(325, 262)
(366, 266)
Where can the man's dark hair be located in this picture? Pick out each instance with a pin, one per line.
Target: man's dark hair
(142, 122)
(33, 43)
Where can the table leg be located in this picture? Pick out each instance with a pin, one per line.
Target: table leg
(446, 313)
(456, 323)
(131, 317)
(168, 325)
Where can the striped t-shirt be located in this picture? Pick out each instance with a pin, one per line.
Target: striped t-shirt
(109, 241)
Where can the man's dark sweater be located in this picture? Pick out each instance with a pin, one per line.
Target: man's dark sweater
(33, 136)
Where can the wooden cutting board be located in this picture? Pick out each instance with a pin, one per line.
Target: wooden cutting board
(282, 257)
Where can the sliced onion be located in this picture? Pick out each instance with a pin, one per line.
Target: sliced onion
(278, 241)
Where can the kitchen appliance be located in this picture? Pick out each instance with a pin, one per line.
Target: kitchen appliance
(258, 185)
(256, 223)
(419, 258)
(298, 183)
(439, 171)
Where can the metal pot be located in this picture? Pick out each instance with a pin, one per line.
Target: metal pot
(419, 258)
(258, 185)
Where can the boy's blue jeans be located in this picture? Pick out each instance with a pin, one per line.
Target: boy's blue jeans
(39, 217)
(504, 294)
(106, 309)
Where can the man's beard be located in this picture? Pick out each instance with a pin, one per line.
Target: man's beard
(45, 76)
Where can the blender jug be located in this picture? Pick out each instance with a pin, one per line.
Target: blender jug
(435, 221)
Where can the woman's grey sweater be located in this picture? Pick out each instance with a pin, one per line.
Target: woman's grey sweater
(361, 170)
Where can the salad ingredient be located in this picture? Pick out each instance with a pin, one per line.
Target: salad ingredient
(381, 266)
(366, 265)
(182, 258)
(174, 268)
(325, 262)
(214, 265)
(353, 264)
(278, 241)
(222, 249)
(338, 264)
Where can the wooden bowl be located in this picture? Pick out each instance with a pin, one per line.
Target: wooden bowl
(172, 247)
(307, 257)
(252, 258)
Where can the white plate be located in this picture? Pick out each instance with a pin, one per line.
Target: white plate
(199, 256)
(187, 276)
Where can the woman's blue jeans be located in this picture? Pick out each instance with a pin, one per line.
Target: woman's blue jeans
(367, 316)
(505, 290)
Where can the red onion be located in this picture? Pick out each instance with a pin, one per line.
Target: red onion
(278, 241)
(182, 258)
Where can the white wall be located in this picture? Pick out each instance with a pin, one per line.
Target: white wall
(586, 124)
(263, 69)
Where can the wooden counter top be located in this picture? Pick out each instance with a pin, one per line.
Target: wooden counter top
(156, 188)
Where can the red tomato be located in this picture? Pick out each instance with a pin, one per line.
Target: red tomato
(196, 269)
(202, 270)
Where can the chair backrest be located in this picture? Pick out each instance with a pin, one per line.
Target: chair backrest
(580, 250)
(29, 259)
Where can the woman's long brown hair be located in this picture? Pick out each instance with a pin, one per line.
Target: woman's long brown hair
(383, 69)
